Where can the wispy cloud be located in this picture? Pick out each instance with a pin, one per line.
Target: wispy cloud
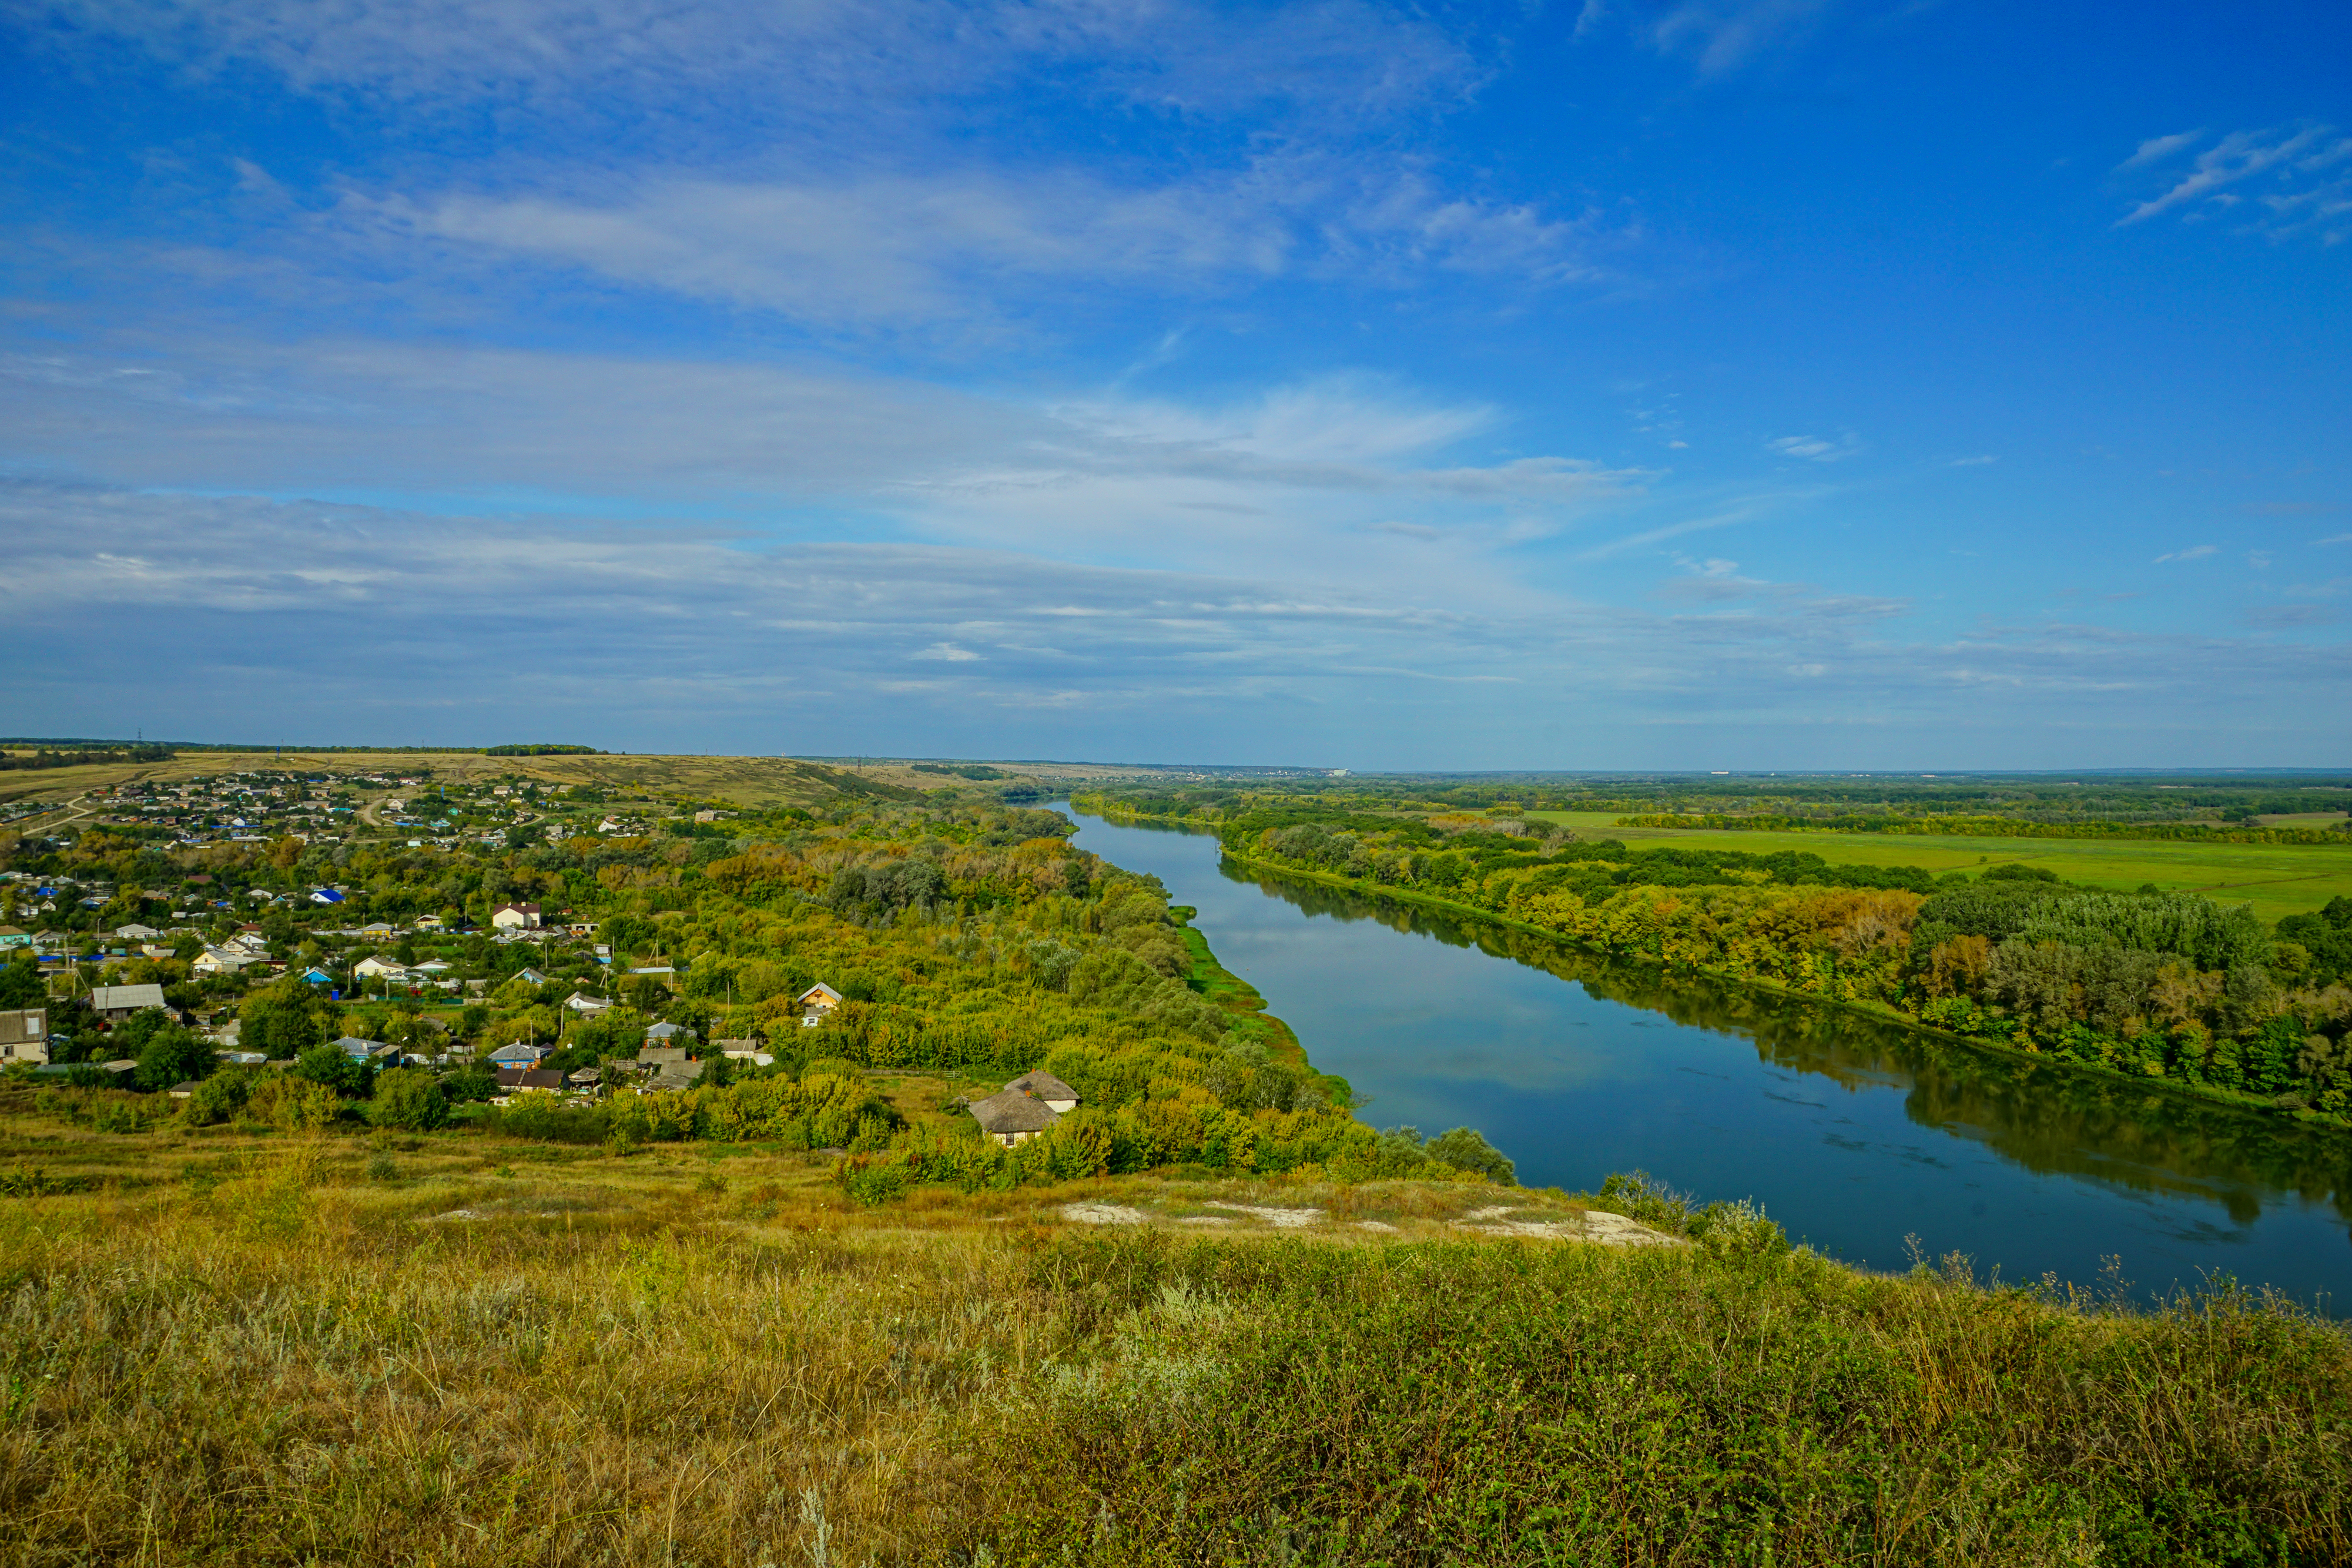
(2194, 553)
(2157, 148)
(302, 605)
(2308, 188)
(1817, 449)
(1718, 37)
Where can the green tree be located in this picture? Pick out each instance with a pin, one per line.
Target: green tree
(326, 1063)
(1466, 1149)
(174, 1054)
(408, 1097)
(281, 1021)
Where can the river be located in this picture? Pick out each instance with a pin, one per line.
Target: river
(1861, 1139)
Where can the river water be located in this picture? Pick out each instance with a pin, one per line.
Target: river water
(1856, 1136)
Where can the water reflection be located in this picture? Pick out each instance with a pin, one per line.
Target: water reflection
(2045, 1118)
(1855, 1135)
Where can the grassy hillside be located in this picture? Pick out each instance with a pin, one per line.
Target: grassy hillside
(237, 1349)
(2275, 879)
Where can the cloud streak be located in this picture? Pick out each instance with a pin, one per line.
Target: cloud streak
(2310, 189)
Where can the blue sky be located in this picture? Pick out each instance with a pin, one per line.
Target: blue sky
(1770, 383)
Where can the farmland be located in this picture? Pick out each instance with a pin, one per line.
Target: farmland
(2275, 879)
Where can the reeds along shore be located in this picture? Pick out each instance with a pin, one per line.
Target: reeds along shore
(462, 1351)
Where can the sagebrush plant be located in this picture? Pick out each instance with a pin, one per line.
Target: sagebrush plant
(229, 1350)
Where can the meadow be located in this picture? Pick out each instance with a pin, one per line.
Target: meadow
(2275, 879)
(229, 1348)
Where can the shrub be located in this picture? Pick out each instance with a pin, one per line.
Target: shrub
(293, 1103)
(869, 1182)
(408, 1097)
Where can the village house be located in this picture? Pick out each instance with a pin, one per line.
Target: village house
(25, 1035)
(1012, 1118)
(220, 961)
(1023, 1108)
(586, 1005)
(372, 967)
(116, 1002)
(816, 1002)
(1059, 1097)
(515, 917)
(518, 1055)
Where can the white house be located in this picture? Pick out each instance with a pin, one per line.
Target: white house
(372, 967)
(220, 961)
(515, 917)
(25, 1035)
(581, 1002)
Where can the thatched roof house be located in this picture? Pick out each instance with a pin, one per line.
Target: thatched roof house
(1011, 1117)
(1047, 1087)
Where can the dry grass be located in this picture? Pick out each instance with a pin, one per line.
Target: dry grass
(450, 1350)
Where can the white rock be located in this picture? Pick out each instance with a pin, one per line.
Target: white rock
(1101, 1214)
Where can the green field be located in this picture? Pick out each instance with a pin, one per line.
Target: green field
(2276, 878)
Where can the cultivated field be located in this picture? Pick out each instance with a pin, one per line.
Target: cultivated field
(2275, 879)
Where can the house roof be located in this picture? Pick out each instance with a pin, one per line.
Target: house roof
(529, 1078)
(519, 909)
(1010, 1111)
(1044, 1085)
(821, 989)
(107, 998)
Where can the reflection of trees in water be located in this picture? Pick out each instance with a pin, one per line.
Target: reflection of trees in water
(2050, 1119)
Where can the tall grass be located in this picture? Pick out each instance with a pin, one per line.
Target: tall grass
(300, 1351)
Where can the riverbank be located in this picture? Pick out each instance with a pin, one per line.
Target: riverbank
(1861, 1006)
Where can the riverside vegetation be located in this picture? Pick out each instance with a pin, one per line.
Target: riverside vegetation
(2172, 988)
(319, 1313)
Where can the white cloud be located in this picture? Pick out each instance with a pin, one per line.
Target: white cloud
(2309, 189)
(294, 609)
(991, 243)
(1817, 449)
(2157, 148)
(1718, 36)
(2194, 553)
(1973, 462)
(697, 64)
(1294, 479)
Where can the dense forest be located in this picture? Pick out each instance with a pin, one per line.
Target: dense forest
(2168, 986)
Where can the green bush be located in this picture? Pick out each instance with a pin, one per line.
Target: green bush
(408, 1097)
